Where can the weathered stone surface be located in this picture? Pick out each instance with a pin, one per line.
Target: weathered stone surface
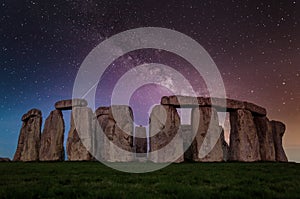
(105, 138)
(79, 141)
(187, 137)
(29, 138)
(103, 141)
(69, 104)
(140, 140)
(4, 160)
(218, 103)
(165, 100)
(116, 123)
(265, 137)
(278, 129)
(244, 144)
(255, 109)
(185, 101)
(31, 113)
(52, 140)
(225, 146)
(207, 145)
(164, 131)
(102, 111)
(122, 116)
(230, 104)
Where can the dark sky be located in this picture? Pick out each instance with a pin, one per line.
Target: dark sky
(255, 44)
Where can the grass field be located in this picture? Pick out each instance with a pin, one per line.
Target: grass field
(188, 180)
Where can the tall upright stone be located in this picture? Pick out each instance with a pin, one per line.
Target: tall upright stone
(278, 129)
(79, 141)
(52, 140)
(166, 144)
(225, 146)
(103, 141)
(265, 137)
(140, 141)
(116, 123)
(207, 145)
(29, 138)
(122, 116)
(187, 137)
(244, 144)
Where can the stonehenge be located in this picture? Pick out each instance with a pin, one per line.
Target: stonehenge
(109, 133)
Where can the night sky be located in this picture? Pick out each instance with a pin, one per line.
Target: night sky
(255, 44)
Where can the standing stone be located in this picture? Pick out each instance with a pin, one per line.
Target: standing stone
(244, 144)
(52, 141)
(225, 146)
(207, 145)
(116, 123)
(187, 137)
(123, 118)
(29, 138)
(166, 144)
(140, 139)
(104, 145)
(265, 137)
(278, 132)
(79, 141)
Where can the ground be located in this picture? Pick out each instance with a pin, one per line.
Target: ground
(187, 180)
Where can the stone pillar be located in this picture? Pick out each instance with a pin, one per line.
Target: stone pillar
(187, 137)
(207, 145)
(244, 144)
(278, 132)
(140, 141)
(104, 138)
(116, 123)
(79, 141)
(265, 137)
(225, 146)
(52, 140)
(166, 143)
(30, 136)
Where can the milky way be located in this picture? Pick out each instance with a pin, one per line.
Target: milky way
(255, 45)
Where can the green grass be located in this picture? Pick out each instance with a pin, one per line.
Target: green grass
(188, 180)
